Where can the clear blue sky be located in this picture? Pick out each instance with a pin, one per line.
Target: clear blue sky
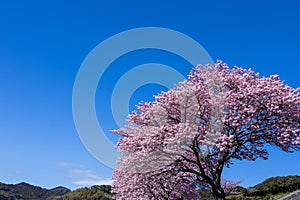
(43, 43)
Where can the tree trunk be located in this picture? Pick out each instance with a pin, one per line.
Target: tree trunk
(218, 193)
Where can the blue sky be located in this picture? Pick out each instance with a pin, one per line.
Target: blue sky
(43, 43)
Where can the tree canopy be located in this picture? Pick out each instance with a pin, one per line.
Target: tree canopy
(183, 140)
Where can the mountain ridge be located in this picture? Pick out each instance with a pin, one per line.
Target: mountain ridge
(24, 191)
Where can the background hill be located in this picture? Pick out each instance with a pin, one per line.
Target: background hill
(24, 191)
(270, 189)
(101, 192)
(275, 185)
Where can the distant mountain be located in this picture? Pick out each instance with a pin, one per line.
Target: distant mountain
(25, 191)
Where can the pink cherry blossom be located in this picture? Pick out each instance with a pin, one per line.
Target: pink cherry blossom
(183, 140)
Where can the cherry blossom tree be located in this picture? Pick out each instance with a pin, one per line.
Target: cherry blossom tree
(166, 184)
(183, 140)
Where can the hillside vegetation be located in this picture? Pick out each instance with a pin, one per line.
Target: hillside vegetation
(25, 191)
(271, 189)
(101, 192)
